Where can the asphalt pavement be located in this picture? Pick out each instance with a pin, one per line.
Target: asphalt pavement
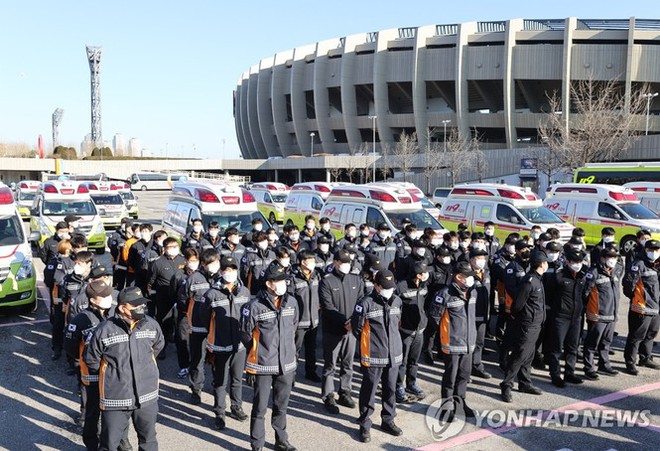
(39, 404)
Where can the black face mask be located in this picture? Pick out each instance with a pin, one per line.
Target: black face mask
(138, 313)
(525, 255)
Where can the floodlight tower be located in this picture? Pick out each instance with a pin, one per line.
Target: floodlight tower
(94, 58)
(57, 118)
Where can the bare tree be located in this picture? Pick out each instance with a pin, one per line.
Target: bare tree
(356, 160)
(602, 125)
(461, 152)
(432, 159)
(335, 173)
(405, 152)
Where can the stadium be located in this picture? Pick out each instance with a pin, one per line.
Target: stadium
(339, 96)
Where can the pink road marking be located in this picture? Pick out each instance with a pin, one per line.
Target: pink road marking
(595, 403)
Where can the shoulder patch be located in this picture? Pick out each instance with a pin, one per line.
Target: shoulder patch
(509, 271)
(72, 327)
(439, 299)
(589, 275)
(246, 312)
(358, 308)
(634, 268)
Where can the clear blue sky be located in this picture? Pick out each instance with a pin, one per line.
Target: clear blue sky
(169, 68)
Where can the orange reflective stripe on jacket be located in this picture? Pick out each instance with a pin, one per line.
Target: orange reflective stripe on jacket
(252, 356)
(444, 332)
(365, 343)
(638, 303)
(592, 305)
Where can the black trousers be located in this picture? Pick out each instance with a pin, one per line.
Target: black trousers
(119, 279)
(479, 345)
(165, 317)
(412, 349)
(57, 321)
(523, 346)
(564, 338)
(228, 367)
(456, 375)
(182, 340)
(307, 337)
(89, 394)
(114, 424)
(598, 340)
(642, 330)
(281, 386)
(337, 347)
(506, 335)
(197, 359)
(430, 334)
(371, 377)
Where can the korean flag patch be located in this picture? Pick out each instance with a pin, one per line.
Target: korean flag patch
(509, 271)
(634, 268)
(246, 312)
(72, 328)
(358, 308)
(439, 299)
(589, 275)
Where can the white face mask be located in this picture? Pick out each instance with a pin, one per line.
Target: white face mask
(193, 266)
(480, 246)
(384, 235)
(294, 237)
(280, 287)
(284, 262)
(489, 232)
(345, 268)
(197, 228)
(213, 233)
(387, 292)
(575, 267)
(78, 270)
(213, 268)
(137, 235)
(453, 245)
(465, 244)
(230, 276)
(435, 242)
(310, 265)
(258, 227)
(272, 237)
(610, 262)
(146, 236)
(421, 251)
(446, 260)
(352, 233)
(542, 244)
(642, 242)
(311, 225)
(608, 239)
(652, 256)
(480, 263)
(469, 281)
(324, 248)
(160, 242)
(234, 239)
(105, 303)
(173, 252)
(325, 227)
(553, 256)
(535, 235)
(365, 232)
(263, 245)
(64, 236)
(74, 224)
(425, 276)
(510, 248)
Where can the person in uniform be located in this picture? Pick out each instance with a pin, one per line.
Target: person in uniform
(375, 322)
(231, 246)
(194, 237)
(482, 287)
(257, 258)
(137, 257)
(120, 243)
(325, 231)
(178, 285)
(248, 238)
(493, 244)
(212, 238)
(267, 329)
(323, 255)
(441, 276)
(49, 249)
(310, 233)
(607, 235)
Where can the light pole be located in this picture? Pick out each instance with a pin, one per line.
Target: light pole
(373, 128)
(649, 97)
(444, 133)
(311, 144)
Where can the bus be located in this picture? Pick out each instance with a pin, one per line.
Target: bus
(618, 173)
(144, 181)
(49, 176)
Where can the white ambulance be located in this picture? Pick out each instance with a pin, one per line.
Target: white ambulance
(227, 204)
(373, 204)
(26, 191)
(57, 199)
(648, 193)
(108, 201)
(511, 208)
(416, 194)
(307, 199)
(130, 199)
(595, 206)
(271, 198)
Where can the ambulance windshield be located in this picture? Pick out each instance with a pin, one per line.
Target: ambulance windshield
(539, 215)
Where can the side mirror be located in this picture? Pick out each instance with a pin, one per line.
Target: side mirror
(34, 212)
(102, 211)
(34, 237)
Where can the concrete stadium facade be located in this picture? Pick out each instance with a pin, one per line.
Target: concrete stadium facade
(495, 77)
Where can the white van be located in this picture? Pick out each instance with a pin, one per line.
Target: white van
(372, 204)
(271, 198)
(511, 208)
(648, 193)
(108, 201)
(595, 206)
(416, 194)
(26, 191)
(439, 196)
(307, 199)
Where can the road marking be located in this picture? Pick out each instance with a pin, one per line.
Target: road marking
(26, 323)
(581, 405)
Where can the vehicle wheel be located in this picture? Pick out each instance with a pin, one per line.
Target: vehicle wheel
(100, 251)
(272, 219)
(627, 244)
(143, 188)
(438, 206)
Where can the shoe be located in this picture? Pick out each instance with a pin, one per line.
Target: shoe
(610, 352)
(416, 390)
(401, 395)
(631, 369)
(428, 358)
(365, 435)
(648, 363)
(478, 372)
(346, 400)
(608, 370)
(530, 389)
(284, 447)
(591, 375)
(469, 413)
(558, 382)
(183, 372)
(237, 414)
(391, 429)
(573, 379)
(538, 363)
(56, 355)
(506, 395)
(195, 398)
(331, 405)
(220, 422)
(313, 377)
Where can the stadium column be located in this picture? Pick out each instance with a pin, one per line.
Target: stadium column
(253, 116)
(245, 120)
(381, 97)
(462, 116)
(419, 85)
(570, 27)
(348, 99)
(246, 149)
(509, 89)
(322, 81)
(264, 111)
(278, 96)
(301, 81)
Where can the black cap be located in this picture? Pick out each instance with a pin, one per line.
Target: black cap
(72, 218)
(406, 221)
(545, 236)
(132, 296)
(373, 262)
(126, 220)
(477, 253)
(465, 269)
(652, 244)
(383, 226)
(608, 252)
(553, 246)
(61, 225)
(323, 240)
(537, 257)
(418, 243)
(385, 279)
(98, 289)
(607, 231)
(419, 268)
(522, 244)
(275, 272)
(575, 255)
(342, 256)
(100, 271)
(442, 251)
(228, 262)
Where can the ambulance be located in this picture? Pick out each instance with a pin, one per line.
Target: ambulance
(307, 199)
(416, 193)
(594, 206)
(130, 199)
(209, 200)
(18, 280)
(271, 198)
(108, 201)
(26, 191)
(374, 204)
(510, 208)
(648, 193)
(57, 199)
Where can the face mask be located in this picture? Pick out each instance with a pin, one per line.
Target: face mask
(146, 236)
(325, 227)
(263, 245)
(653, 256)
(610, 262)
(64, 236)
(197, 228)
(384, 235)
(173, 251)
(285, 262)
(194, 266)
(311, 225)
(160, 242)
(213, 233)
(272, 237)
(469, 281)
(553, 256)
(425, 276)
(535, 235)
(489, 232)
(465, 244)
(258, 227)
(479, 246)
(608, 239)
(453, 245)
(74, 224)
(137, 235)
(510, 248)
(294, 237)
(575, 267)
(421, 251)
(230, 276)
(480, 264)
(435, 242)
(345, 268)
(310, 266)
(387, 292)
(642, 242)
(234, 239)
(280, 287)
(137, 313)
(365, 232)
(105, 303)
(542, 244)
(324, 248)
(351, 234)
(446, 260)
(525, 255)
(213, 268)
(78, 270)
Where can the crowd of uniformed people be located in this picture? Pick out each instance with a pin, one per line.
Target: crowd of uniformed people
(252, 305)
